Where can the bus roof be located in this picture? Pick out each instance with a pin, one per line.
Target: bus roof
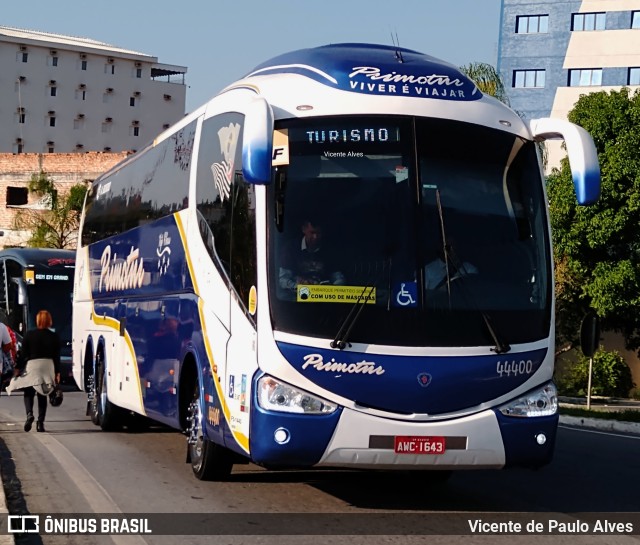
(375, 70)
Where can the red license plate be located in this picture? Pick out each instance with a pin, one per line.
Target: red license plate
(410, 444)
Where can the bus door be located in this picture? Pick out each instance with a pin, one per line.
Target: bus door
(241, 352)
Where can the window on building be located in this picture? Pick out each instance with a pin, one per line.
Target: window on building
(83, 65)
(134, 130)
(132, 101)
(528, 78)
(634, 76)
(50, 147)
(81, 94)
(588, 21)
(17, 196)
(138, 72)
(54, 90)
(585, 77)
(106, 126)
(52, 60)
(78, 123)
(635, 19)
(52, 121)
(24, 56)
(21, 115)
(109, 68)
(532, 24)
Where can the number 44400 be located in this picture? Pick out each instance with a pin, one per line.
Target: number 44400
(514, 368)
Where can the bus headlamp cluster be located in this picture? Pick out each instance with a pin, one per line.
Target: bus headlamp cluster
(274, 395)
(541, 402)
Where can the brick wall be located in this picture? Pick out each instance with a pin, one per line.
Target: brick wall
(65, 169)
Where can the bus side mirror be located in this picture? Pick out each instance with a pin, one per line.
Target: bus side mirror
(22, 294)
(582, 153)
(257, 142)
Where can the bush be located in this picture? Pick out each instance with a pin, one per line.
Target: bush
(611, 376)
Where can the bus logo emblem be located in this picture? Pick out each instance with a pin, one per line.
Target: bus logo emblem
(424, 379)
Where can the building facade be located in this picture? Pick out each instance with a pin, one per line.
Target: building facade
(64, 169)
(62, 94)
(551, 52)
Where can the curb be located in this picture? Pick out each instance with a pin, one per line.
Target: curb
(5, 539)
(616, 426)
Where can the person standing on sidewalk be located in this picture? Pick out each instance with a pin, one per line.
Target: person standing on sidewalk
(38, 368)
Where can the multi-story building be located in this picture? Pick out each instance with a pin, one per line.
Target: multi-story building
(61, 94)
(553, 51)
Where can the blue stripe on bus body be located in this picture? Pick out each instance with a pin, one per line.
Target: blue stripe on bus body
(523, 445)
(306, 436)
(143, 261)
(414, 384)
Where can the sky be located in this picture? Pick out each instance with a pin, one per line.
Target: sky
(219, 41)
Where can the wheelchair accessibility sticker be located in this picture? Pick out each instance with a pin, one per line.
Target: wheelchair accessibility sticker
(405, 294)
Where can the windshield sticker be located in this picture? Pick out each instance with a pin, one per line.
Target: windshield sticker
(332, 366)
(405, 294)
(310, 293)
(280, 148)
(402, 174)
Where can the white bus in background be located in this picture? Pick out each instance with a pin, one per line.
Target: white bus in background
(180, 314)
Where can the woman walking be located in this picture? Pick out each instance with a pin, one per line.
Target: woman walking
(38, 368)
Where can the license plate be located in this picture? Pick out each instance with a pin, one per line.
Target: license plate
(410, 444)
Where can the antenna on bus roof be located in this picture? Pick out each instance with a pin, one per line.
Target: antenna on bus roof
(396, 44)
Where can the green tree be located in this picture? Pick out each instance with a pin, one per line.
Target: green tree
(597, 248)
(55, 225)
(487, 78)
(610, 376)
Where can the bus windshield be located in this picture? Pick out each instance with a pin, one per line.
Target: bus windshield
(56, 298)
(433, 227)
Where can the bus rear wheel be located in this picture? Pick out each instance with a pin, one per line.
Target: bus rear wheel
(209, 461)
(103, 412)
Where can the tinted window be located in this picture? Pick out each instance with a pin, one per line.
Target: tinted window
(153, 184)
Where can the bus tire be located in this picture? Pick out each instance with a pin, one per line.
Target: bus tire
(103, 413)
(209, 461)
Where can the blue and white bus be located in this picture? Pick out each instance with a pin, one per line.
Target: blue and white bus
(180, 309)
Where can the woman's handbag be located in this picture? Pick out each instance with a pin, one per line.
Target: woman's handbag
(56, 397)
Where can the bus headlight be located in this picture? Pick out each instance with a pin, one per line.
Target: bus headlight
(274, 395)
(541, 402)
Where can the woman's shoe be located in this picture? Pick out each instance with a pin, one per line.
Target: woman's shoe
(28, 423)
(40, 426)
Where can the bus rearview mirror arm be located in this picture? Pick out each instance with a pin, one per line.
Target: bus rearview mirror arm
(583, 156)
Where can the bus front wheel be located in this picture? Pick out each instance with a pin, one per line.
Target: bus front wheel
(209, 461)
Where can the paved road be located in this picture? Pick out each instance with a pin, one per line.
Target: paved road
(76, 468)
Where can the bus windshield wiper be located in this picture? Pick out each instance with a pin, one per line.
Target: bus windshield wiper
(340, 342)
(450, 258)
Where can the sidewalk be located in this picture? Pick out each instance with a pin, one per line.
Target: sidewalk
(608, 404)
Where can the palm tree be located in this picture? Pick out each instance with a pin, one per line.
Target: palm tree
(487, 78)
